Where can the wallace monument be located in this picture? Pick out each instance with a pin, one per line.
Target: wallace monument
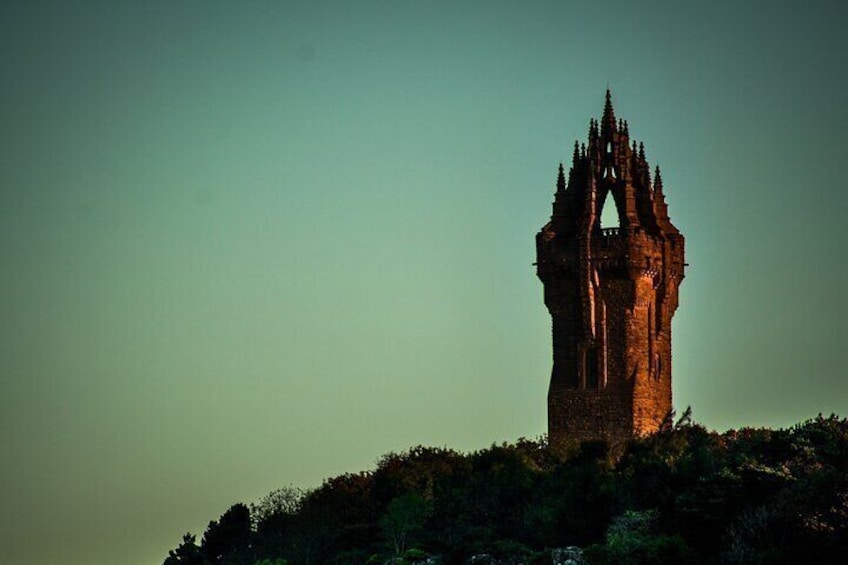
(611, 292)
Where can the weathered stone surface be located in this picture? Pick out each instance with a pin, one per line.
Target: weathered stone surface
(486, 559)
(567, 556)
(483, 559)
(429, 560)
(611, 292)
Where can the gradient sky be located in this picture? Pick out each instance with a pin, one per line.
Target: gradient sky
(252, 244)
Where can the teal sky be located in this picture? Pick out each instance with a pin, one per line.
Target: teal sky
(252, 244)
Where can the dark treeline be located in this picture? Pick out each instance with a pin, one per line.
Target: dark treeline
(683, 495)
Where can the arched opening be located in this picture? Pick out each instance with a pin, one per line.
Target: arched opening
(609, 213)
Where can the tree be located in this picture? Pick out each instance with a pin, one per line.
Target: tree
(272, 519)
(404, 516)
(228, 541)
(187, 553)
(631, 539)
(284, 501)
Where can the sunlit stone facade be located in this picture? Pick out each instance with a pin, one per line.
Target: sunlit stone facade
(611, 291)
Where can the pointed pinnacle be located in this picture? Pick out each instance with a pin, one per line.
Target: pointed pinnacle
(641, 151)
(608, 123)
(576, 154)
(560, 179)
(658, 180)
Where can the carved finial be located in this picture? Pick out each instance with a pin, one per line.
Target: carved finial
(583, 150)
(576, 156)
(657, 180)
(626, 128)
(641, 151)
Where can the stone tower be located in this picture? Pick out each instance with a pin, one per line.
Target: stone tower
(610, 291)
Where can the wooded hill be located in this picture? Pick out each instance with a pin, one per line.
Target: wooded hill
(683, 495)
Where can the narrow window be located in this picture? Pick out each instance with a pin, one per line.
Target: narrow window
(653, 356)
(591, 367)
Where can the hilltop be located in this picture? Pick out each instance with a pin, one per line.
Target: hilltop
(682, 495)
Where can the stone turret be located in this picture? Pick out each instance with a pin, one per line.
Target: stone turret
(611, 292)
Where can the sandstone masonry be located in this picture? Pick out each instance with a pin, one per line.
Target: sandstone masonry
(611, 292)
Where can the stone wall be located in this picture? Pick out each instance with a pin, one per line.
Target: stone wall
(611, 292)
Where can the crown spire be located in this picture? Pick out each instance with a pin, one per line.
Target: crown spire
(608, 124)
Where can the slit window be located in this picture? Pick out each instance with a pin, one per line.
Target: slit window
(591, 367)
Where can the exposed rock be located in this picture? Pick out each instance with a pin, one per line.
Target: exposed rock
(429, 560)
(483, 559)
(570, 555)
(487, 559)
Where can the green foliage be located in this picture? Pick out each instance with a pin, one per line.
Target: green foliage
(228, 541)
(404, 517)
(283, 502)
(682, 495)
(632, 540)
(187, 553)
(272, 518)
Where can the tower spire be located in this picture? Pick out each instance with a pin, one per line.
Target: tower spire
(608, 124)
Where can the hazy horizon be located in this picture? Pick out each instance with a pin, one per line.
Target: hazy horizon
(255, 244)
